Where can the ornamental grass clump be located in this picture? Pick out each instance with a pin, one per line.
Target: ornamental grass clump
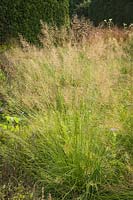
(74, 139)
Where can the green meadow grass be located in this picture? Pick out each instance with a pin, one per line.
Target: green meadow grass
(66, 128)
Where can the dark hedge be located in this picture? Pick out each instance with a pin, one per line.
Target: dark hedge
(120, 11)
(23, 16)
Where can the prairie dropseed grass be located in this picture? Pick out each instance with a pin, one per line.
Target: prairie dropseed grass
(75, 97)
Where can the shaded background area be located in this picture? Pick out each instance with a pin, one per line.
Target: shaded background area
(121, 11)
(23, 17)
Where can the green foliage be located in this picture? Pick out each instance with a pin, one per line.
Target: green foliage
(9, 122)
(73, 5)
(2, 76)
(19, 192)
(23, 17)
(98, 10)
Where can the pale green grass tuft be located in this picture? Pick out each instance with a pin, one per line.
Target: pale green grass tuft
(66, 129)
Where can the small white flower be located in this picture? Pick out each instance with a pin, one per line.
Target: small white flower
(113, 129)
(110, 20)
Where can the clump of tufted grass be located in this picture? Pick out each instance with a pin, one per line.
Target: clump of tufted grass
(76, 139)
